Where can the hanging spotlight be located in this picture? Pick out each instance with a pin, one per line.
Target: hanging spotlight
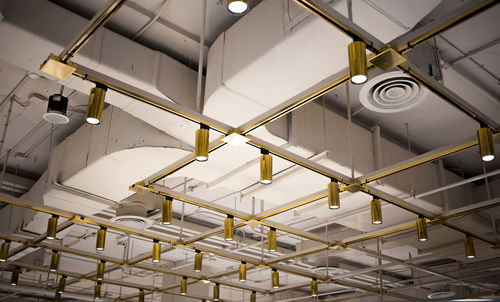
(253, 297)
(201, 144)
(184, 285)
(166, 211)
(271, 240)
(15, 276)
(237, 6)
(96, 104)
(56, 110)
(314, 287)
(101, 239)
(141, 295)
(100, 269)
(333, 194)
(57, 297)
(54, 261)
(4, 251)
(52, 227)
(357, 62)
(486, 144)
(216, 292)
(156, 251)
(97, 290)
(421, 228)
(243, 271)
(275, 278)
(469, 247)
(198, 258)
(62, 284)
(229, 228)
(376, 211)
(266, 167)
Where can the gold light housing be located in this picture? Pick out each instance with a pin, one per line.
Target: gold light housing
(271, 240)
(96, 104)
(201, 144)
(184, 285)
(275, 278)
(15, 276)
(166, 211)
(4, 251)
(229, 228)
(237, 7)
(101, 239)
(469, 247)
(243, 271)
(156, 251)
(266, 167)
(253, 297)
(97, 290)
(141, 295)
(486, 143)
(217, 292)
(100, 269)
(333, 194)
(52, 227)
(376, 211)
(198, 258)
(421, 229)
(54, 261)
(357, 62)
(62, 284)
(57, 297)
(314, 287)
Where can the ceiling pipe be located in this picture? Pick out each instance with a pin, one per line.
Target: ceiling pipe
(42, 292)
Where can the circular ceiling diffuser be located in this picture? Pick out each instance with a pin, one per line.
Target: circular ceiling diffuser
(440, 295)
(392, 92)
(133, 215)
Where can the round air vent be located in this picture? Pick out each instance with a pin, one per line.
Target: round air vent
(333, 265)
(440, 295)
(133, 215)
(392, 92)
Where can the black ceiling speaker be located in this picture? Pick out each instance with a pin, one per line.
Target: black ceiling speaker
(56, 109)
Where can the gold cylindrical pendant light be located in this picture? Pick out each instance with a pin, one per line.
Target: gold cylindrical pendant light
(57, 297)
(275, 278)
(97, 290)
(201, 144)
(166, 211)
(266, 167)
(314, 287)
(52, 227)
(15, 276)
(184, 285)
(216, 292)
(421, 229)
(101, 239)
(96, 104)
(357, 62)
(156, 251)
(486, 144)
(4, 251)
(62, 285)
(253, 297)
(141, 295)
(100, 269)
(54, 261)
(376, 211)
(469, 247)
(271, 240)
(243, 271)
(229, 228)
(198, 259)
(333, 194)
(237, 6)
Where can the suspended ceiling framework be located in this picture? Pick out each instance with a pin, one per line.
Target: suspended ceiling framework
(399, 273)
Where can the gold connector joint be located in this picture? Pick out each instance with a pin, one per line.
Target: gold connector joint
(388, 59)
(353, 188)
(54, 66)
(80, 220)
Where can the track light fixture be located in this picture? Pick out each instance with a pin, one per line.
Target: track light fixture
(486, 143)
(266, 167)
(314, 287)
(96, 104)
(275, 278)
(217, 292)
(52, 227)
(237, 6)
(229, 228)
(201, 144)
(101, 239)
(141, 295)
(4, 251)
(421, 228)
(271, 240)
(166, 211)
(376, 211)
(97, 290)
(333, 194)
(62, 284)
(357, 62)
(54, 261)
(253, 297)
(198, 258)
(100, 269)
(243, 271)
(184, 285)
(469, 247)
(15, 276)
(156, 251)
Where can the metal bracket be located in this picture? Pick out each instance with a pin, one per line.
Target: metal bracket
(388, 59)
(54, 66)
